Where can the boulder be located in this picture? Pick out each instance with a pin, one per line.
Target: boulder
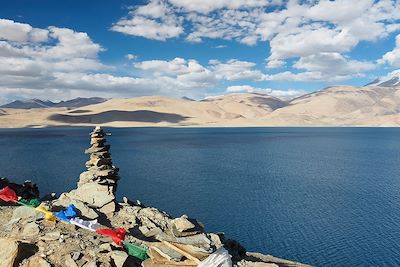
(36, 261)
(23, 212)
(109, 208)
(119, 257)
(183, 224)
(9, 252)
(51, 236)
(94, 194)
(31, 229)
(69, 261)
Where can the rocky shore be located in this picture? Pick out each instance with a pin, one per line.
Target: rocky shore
(35, 236)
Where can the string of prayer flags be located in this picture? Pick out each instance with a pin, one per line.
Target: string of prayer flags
(7, 194)
(48, 215)
(67, 214)
(30, 203)
(88, 225)
(117, 235)
(136, 251)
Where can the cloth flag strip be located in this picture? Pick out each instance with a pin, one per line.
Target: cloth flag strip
(117, 235)
(220, 258)
(30, 203)
(7, 194)
(135, 251)
(48, 215)
(88, 225)
(69, 213)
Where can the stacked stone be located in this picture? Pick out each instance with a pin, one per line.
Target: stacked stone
(100, 167)
(97, 186)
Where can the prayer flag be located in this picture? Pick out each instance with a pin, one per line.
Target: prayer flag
(117, 235)
(48, 215)
(31, 203)
(88, 225)
(7, 194)
(136, 251)
(67, 214)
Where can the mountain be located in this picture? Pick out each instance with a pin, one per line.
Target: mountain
(342, 106)
(392, 80)
(80, 102)
(27, 104)
(332, 106)
(37, 103)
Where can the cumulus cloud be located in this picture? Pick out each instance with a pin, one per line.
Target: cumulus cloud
(63, 64)
(20, 32)
(131, 56)
(294, 29)
(333, 63)
(282, 94)
(155, 20)
(206, 6)
(392, 57)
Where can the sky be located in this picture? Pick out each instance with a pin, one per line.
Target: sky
(59, 50)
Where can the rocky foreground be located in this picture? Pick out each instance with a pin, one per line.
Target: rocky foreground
(35, 239)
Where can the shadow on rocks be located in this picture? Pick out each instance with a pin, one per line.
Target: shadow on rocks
(237, 251)
(25, 251)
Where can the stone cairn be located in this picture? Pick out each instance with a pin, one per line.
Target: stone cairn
(97, 186)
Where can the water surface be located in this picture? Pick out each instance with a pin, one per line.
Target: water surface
(324, 196)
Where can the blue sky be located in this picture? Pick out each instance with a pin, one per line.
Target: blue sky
(63, 49)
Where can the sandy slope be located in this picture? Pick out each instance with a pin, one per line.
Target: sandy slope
(334, 106)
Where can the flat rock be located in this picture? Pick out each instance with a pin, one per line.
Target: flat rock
(150, 263)
(199, 240)
(183, 224)
(119, 258)
(254, 258)
(69, 261)
(31, 229)
(36, 261)
(9, 252)
(90, 264)
(108, 208)
(23, 212)
(94, 194)
(51, 236)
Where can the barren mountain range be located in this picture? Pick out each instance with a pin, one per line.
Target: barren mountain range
(376, 104)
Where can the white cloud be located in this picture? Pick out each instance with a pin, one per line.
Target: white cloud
(11, 31)
(282, 94)
(321, 67)
(131, 56)
(67, 65)
(242, 88)
(155, 20)
(206, 6)
(275, 63)
(332, 63)
(392, 57)
(296, 29)
(235, 70)
(310, 41)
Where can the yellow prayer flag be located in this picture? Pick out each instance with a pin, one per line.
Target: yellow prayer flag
(48, 215)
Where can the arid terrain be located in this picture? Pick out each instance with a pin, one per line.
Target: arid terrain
(332, 106)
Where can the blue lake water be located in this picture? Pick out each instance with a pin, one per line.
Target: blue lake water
(324, 196)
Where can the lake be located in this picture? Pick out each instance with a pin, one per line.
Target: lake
(323, 196)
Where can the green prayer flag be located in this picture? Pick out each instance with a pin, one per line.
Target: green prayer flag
(30, 203)
(136, 251)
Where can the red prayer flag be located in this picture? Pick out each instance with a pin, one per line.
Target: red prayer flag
(117, 235)
(7, 194)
